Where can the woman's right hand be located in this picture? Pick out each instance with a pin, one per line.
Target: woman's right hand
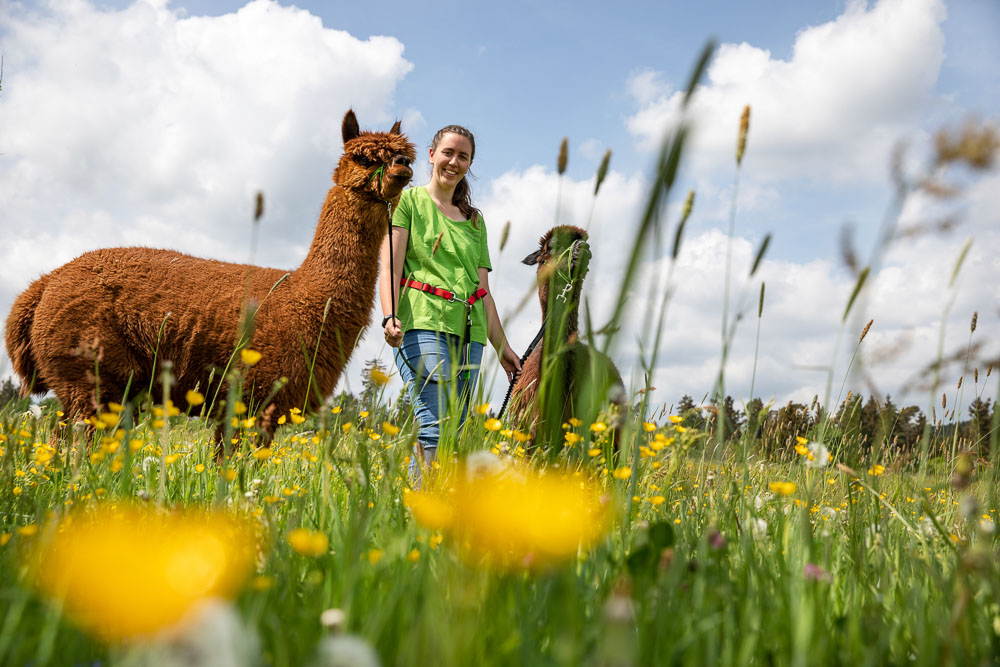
(393, 332)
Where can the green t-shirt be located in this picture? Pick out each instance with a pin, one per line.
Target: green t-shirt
(453, 267)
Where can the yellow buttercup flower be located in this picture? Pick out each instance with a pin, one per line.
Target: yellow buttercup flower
(598, 427)
(674, 419)
(309, 543)
(574, 422)
(194, 398)
(648, 427)
(297, 418)
(378, 377)
(802, 449)
(492, 424)
(482, 409)
(623, 472)
(389, 429)
(783, 488)
(802, 441)
(250, 357)
(876, 470)
(163, 565)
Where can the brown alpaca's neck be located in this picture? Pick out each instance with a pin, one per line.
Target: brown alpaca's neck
(572, 316)
(342, 264)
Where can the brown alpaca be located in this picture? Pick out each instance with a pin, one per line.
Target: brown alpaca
(108, 306)
(591, 377)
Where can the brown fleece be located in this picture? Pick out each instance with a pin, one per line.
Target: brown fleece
(92, 325)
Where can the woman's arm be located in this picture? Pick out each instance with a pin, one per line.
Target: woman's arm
(388, 286)
(494, 329)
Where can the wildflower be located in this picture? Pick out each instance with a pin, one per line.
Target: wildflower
(521, 437)
(783, 488)
(575, 423)
(362, 414)
(230, 474)
(800, 440)
(297, 419)
(429, 510)
(680, 429)
(674, 419)
(598, 427)
(482, 409)
(307, 542)
(596, 451)
(572, 438)
(282, 419)
(250, 357)
(492, 424)
(199, 468)
(819, 456)
(876, 470)
(17, 491)
(389, 429)
(239, 407)
(649, 427)
(346, 428)
(657, 500)
(262, 582)
(413, 556)
(801, 450)
(262, 454)
(374, 556)
(815, 573)
(378, 377)
(335, 409)
(623, 472)
(5, 538)
(164, 564)
(194, 398)
(171, 458)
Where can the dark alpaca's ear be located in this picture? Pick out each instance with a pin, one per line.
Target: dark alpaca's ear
(350, 129)
(532, 259)
(396, 128)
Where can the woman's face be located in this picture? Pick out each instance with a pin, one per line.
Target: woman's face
(451, 159)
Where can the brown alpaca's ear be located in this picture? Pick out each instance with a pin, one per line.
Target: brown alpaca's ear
(397, 128)
(350, 129)
(532, 259)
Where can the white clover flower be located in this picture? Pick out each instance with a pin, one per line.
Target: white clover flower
(758, 527)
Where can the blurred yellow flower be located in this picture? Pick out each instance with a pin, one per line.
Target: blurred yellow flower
(282, 419)
(680, 429)
(297, 419)
(389, 429)
(309, 543)
(194, 398)
(378, 377)
(596, 451)
(623, 472)
(648, 427)
(363, 414)
(574, 422)
(335, 409)
(802, 441)
(429, 509)
(250, 357)
(876, 470)
(492, 424)
(115, 407)
(783, 488)
(239, 407)
(598, 427)
(262, 454)
(413, 556)
(482, 409)
(801, 449)
(346, 428)
(572, 438)
(657, 500)
(674, 419)
(128, 572)
(520, 437)
(374, 556)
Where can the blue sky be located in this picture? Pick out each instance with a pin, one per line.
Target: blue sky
(223, 98)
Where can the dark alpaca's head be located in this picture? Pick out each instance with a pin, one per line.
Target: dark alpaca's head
(561, 248)
(377, 163)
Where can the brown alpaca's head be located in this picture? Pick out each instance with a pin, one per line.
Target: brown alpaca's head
(377, 164)
(564, 249)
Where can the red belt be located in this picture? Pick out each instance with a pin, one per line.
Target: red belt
(443, 293)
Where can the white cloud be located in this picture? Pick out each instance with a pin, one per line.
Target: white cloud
(803, 306)
(851, 88)
(146, 127)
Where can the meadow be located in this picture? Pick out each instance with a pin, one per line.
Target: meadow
(128, 541)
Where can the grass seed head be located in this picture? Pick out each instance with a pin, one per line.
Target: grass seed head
(864, 332)
(602, 171)
(741, 143)
(975, 320)
(563, 156)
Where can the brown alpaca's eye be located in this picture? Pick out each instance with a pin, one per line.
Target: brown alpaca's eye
(364, 161)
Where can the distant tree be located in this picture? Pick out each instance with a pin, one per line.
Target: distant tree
(8, 392)
(371, 386)
(755, 417)
(792, 420)
(910, 422)
(978, 428)
(690, 412)
(733, 417)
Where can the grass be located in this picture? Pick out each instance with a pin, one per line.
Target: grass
(712, 550)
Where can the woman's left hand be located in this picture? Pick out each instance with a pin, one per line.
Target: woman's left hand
(511, 362)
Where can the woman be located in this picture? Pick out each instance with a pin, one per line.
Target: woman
(444, 308)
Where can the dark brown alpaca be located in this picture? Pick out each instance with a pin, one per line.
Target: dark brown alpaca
(591, 377)
(111, 304)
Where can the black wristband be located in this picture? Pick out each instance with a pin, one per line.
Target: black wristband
(386, 319)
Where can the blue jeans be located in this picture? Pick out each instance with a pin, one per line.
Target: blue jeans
(434, 358)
